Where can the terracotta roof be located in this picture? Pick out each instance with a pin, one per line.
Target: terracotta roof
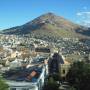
(33, 73)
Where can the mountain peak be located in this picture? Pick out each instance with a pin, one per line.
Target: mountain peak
(50, 14)
(48, 24)
(44, 19)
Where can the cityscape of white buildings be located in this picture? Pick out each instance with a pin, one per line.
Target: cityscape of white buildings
(24, 61)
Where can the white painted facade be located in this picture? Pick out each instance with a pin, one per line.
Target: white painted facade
(23, 85)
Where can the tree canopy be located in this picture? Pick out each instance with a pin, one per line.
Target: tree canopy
(3, 85)
(79, 76)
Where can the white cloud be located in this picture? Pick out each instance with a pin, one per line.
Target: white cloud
(84, 17)
(88, 13)
(79, 14)
(83, 13)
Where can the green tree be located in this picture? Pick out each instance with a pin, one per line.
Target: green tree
(51, 84)
(3, 85)
(72, 88)
(79, 76)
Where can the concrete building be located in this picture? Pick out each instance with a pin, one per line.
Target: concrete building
(63, 69)
(26, 79)
(58, 65)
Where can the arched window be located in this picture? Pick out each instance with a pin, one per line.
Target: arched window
(63, 71)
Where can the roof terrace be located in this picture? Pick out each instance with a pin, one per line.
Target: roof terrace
(30, 74)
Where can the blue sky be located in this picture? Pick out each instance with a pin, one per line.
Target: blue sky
(18, 12)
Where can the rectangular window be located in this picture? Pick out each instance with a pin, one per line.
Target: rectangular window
(63, 71)
(12, 88)
(25, 88)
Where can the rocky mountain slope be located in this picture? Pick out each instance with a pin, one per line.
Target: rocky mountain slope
(49, 24)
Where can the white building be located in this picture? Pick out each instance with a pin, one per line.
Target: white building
(24, 85)
(16, 63)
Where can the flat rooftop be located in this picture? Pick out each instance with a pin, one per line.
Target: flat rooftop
(30, 74)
